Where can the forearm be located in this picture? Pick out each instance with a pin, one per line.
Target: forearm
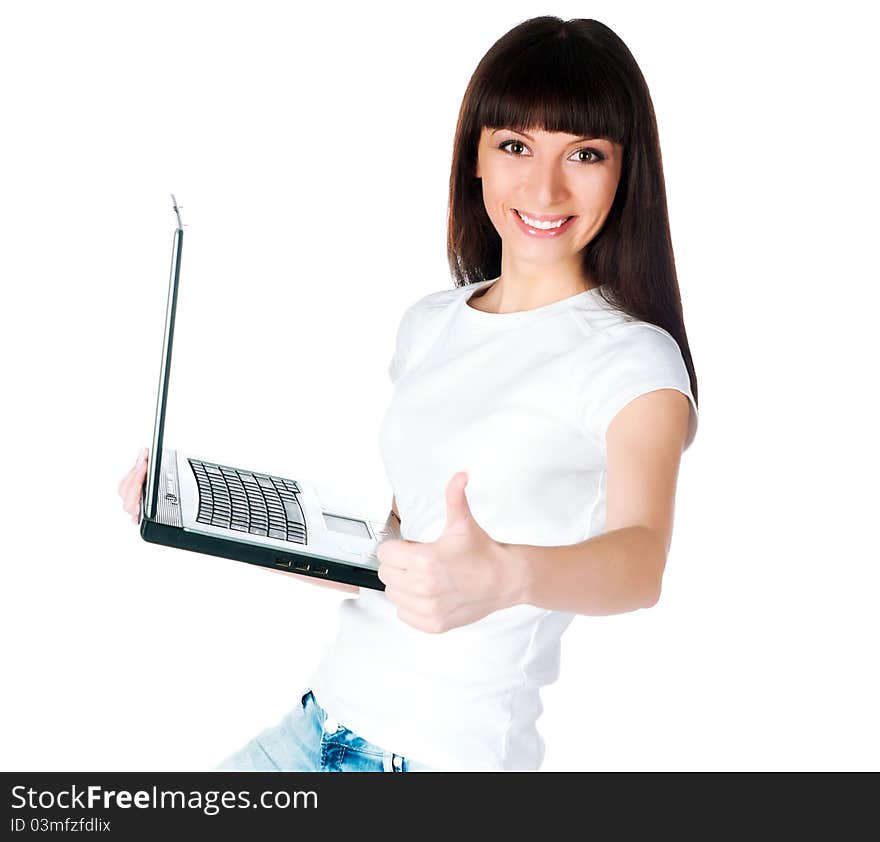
(612, 573)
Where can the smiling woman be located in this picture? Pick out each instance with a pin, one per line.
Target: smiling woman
(539, 412)
(557, 120)
(583, 177)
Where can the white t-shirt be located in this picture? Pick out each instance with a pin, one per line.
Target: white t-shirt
(521, 401)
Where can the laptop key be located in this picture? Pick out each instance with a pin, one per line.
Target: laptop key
(278, 533)
(293, 511)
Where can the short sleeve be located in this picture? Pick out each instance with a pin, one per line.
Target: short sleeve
(638, 358)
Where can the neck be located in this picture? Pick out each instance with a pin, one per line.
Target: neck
(512, 294)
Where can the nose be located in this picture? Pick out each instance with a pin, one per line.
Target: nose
(547, 186)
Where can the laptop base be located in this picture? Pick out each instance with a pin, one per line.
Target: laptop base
(276, 559)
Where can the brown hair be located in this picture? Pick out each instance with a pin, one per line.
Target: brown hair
(577, 77)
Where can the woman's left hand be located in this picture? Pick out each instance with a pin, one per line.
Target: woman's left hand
(458, 579)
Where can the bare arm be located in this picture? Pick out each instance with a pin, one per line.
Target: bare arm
(393, 520)
(621, 569)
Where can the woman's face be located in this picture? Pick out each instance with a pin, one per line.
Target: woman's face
(547, 174)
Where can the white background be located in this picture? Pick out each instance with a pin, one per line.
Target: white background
(310, 146)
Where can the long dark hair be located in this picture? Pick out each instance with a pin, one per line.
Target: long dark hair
(578, 77)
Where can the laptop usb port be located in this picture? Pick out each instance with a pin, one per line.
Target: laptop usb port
(301, 565)
(319, 568)
(282, 562)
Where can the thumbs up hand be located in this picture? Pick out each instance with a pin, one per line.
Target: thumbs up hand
(458, 579)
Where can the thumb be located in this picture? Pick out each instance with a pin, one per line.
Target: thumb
(458, 512)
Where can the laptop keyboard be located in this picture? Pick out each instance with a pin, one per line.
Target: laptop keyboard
(249, 502)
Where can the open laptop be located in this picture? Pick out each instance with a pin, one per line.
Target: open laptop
(255, 516)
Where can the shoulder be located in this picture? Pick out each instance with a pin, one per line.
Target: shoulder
(430, 307)
(643, 337)
(420, 325)
(596, 318)
(443, 298)
(440, 299)
(616, 333)
(639, 351)
(631, 358)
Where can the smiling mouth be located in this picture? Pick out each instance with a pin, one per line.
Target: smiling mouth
(545, 227)
(544, 222)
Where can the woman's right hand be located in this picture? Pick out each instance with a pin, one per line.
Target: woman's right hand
(132, 483)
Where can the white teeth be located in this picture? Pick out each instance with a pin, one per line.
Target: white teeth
(534, 223)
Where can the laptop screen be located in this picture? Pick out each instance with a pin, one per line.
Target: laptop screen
(152, 490)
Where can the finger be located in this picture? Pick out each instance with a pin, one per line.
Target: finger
(132, 479)
(126, 481)
(400, 581)
(134, 493)
(125, 485)
(390, 576)
(410, 584)
(131, 504)
(428, 608)
(447, 608)
(135, 475)
(400, 553)
(141, 462)
(430, 623)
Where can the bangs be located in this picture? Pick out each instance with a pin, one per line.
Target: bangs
(556, 86)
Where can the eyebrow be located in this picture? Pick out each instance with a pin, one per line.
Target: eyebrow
(576, 140)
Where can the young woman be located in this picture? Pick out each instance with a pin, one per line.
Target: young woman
(555, 384)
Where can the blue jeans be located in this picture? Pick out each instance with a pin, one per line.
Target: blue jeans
(307, 740)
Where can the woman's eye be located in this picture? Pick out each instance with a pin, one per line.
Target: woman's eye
(507, 143)
(597, 155)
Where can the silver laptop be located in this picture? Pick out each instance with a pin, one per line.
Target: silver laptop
(203, 505)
